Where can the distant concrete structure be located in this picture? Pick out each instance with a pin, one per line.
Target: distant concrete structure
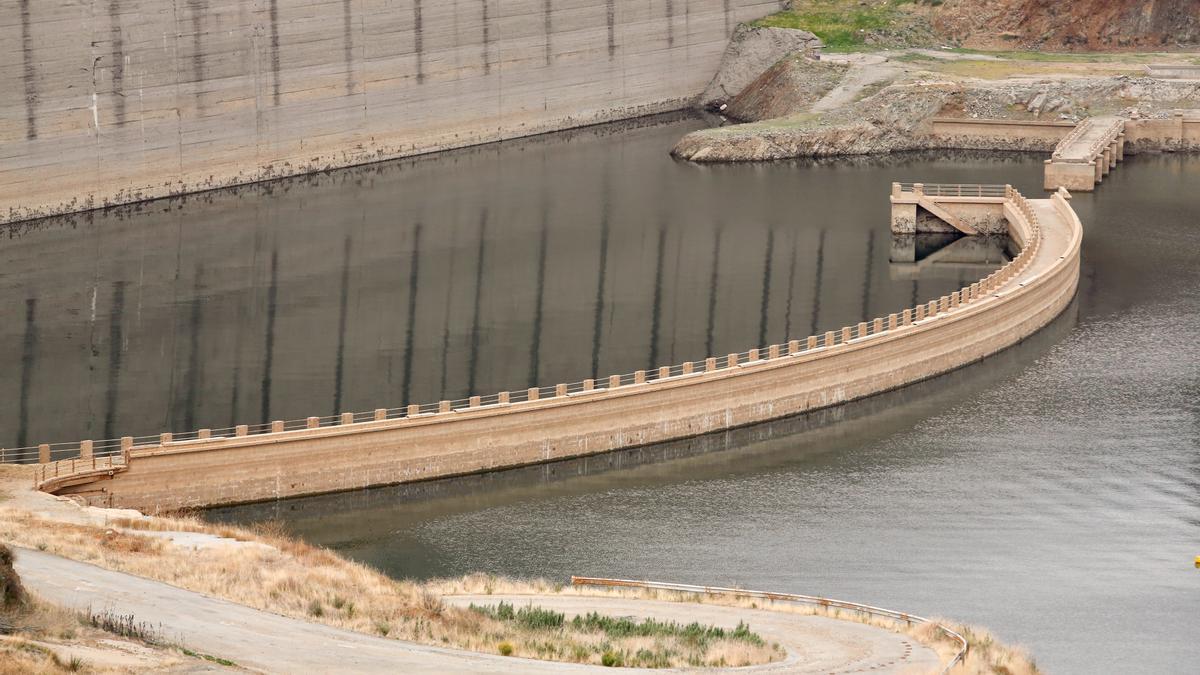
(1173, 71)
(1085, 156)
(117, 102)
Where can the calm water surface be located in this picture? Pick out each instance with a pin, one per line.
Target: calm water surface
(1051, 493)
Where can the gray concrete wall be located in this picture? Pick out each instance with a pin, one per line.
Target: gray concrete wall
(112, 101)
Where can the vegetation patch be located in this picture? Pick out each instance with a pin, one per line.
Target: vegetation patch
(626, 642)
(853, 25)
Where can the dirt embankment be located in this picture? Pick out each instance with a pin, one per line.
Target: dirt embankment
(1092, 25)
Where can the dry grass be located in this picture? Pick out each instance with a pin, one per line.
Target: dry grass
(276, 573)
(263, 567)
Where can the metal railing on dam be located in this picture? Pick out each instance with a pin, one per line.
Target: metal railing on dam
(451, 437)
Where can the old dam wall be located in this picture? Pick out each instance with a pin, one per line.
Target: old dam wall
(114, 101)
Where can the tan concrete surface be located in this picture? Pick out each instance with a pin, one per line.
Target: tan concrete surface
(271, 643)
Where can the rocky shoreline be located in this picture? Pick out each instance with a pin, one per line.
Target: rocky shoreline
(894, 105)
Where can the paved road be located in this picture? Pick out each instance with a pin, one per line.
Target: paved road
(268, 642)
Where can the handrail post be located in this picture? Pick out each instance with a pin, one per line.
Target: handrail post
(710, 364)
(381, 414)
(276, 426)
(44, 453)
(639, 377)
(560, 390)
(126, 446)
(532, 394)
(312, 423)
(664, 372)
(614, 381)
(443, 406)
(164, 439)
(204, 433)
(85, 450)
(347, 418)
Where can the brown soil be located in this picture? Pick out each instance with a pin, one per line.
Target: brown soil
(1084, 25)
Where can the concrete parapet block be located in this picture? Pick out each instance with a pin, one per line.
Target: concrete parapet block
(1071, 175)
(532, 394)
(347, 418)
(614, 381)
(312, 422)
(86, 449)
(241, 430)
(44, 453)
(276, 426)
(381, 414)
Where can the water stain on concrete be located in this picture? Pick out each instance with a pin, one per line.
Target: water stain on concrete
(548, 26)
(348, 45)
(29, 74)
(274, 15)
(487, 38)
(419, 41)
(670, 23)
(612, 30)
(117, 70)
(197, 9)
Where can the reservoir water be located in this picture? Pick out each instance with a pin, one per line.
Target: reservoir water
(1050, 493)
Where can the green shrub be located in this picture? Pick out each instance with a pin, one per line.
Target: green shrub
(505, 648)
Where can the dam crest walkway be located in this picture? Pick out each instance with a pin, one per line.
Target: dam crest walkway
(508, 429)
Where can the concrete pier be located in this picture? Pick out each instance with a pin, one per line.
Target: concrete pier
(1085, 156)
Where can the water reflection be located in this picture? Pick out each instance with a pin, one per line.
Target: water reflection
(502, 267)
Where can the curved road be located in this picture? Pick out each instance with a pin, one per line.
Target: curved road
(268, 642)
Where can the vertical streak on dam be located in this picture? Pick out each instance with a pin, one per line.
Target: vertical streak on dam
(29, 73)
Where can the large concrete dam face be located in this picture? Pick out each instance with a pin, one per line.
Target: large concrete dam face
(532, 262)
(112, 101)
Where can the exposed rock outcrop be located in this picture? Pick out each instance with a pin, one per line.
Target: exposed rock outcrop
(896, 118)
(790, 86)
(1079, 24)
(750, 52)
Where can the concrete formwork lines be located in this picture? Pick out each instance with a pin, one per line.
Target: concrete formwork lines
(163, 99)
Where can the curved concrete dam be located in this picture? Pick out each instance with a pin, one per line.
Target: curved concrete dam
(541, 424)
(113, 102)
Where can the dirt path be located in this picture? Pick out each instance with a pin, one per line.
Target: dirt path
(865, 70)
(268, 642)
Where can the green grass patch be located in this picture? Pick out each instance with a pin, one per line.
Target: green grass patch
(208, 657)
(673, 642)
(842, 25)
